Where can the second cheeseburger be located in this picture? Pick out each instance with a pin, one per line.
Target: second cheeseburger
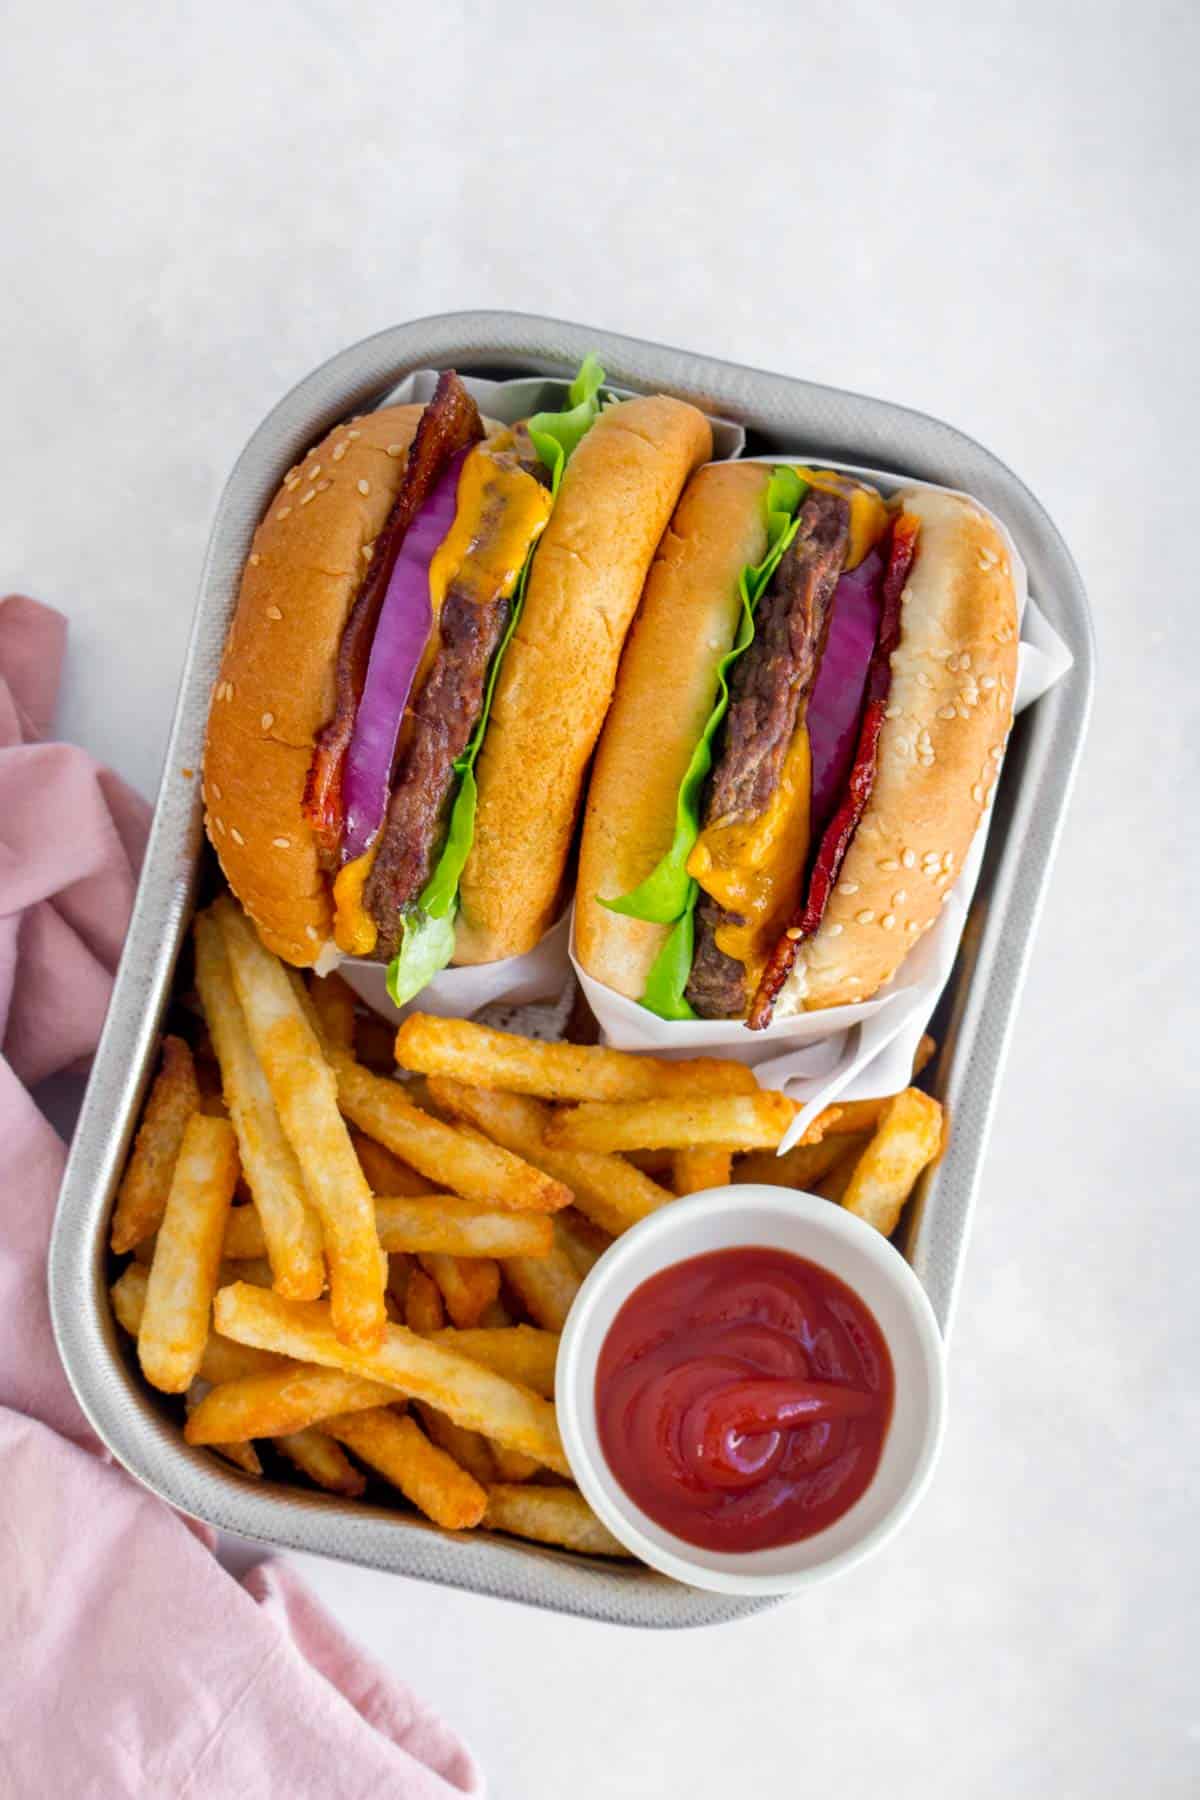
(808, 722)
(424, 648)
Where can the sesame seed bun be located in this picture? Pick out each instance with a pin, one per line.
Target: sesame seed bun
(948, 717)
(665, 691)
(275, 688)
(556, 680)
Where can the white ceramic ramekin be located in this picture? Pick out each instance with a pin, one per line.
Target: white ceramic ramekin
(779, 1218)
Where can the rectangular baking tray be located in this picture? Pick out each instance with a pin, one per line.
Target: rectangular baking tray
(973, 1022)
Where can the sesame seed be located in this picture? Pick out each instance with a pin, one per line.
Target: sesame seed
(911, 925)
(354, 434)
(923, 678)
(339, 450)
(891, 712)
(368, 551)
(305, 498)
(395, 449)
(313, 472)
(281, 843)
(215, 791)
(865, 917)
(854, 981)
(312, 932)
(268, 719)
(293, 481)
(948, 860)
(283, 512)
(995, 753)
(888, 921)
(322, 485)
(794, 933)
(273, 612)
(900, 896)
(364, 487)
(909, 859)
(977, 794)
(229, 690)
(889, 863)
(255, 559)
(220, 825)
(964, 661)
(849, 887)
(964, 712)
(987, 683)
(834, 930)
(236, 835)
(983, 562)
(945, 712)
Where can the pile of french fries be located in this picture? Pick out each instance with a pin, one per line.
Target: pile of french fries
(370, 1274)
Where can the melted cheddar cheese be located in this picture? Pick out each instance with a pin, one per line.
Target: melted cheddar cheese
(868, 514)
(754, 869)
(354, 930)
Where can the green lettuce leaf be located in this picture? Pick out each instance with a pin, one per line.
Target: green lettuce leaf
(668, 894)
(428, 941)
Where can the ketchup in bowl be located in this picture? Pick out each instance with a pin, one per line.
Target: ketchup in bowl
(743, 1398)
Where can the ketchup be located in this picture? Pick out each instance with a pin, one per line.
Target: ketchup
(743, 1398)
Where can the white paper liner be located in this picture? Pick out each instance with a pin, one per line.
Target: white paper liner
(540, 975)
(863, 1051)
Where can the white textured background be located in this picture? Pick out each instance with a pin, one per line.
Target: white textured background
(987, 212)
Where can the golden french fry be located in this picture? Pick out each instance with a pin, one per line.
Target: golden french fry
(694, 1170)
(511, 1465)
(305, 1094)
(385, 1173)
(497, 1316)
(323, 1460)
(545, 1286)
(610, 1191)
(270, 1405)
(290, 1231)
(142, 1195)
(551, 1515)
(242, 1456)
(583, 1242)
(424, 1224)
(737, 1121)
(800, 1167)
(400, 1268)
(469, 1450)
(468, 1285)
(187, 1256)
(223, 1360)
(833, 1185)
(423, 1309)
(333, 1003)
(481, 1057)
(473, 1167)
(925, 1053)
(908, 1139)
(398, 1450)
(522, 1352)
(472, 1394)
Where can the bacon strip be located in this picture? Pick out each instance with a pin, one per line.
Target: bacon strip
(839, 832)
(449, 423)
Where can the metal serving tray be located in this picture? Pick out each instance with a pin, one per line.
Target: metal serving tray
(973, 1023)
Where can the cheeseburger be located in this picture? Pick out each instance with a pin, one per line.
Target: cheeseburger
(807, 725)
(426, 638)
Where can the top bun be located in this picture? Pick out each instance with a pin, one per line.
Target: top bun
(556, 681)
(275, 687)
(948, 716)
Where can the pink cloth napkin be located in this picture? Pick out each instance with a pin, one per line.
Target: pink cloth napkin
(133, 1664)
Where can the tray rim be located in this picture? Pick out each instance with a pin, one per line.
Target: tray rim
(979, 1017)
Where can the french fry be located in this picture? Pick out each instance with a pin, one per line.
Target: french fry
(583, 1242)
(800, 1167)
(694, 1170)
(909, 1137)
(400, 1268)
(385, 1173)
(550, 1515)
(423, 1308)
(144, 1252)
(333, 1003)
(658, 1163)
(833, 1185)
(223, 1360)
(424, 1224)
(187, 1256)
(289, 1229)
(323, 1460)
(242, 1456)
(611, 1192)
(522, 1352)
(271, 1405)
(545, 1286)
(305, 1094)
(476, 1169)
(511, 1465)
(481, 1057)
(142, 1196)
(398, 1450)
(467, 1285)
(472, 1394)
(738, 1121)
(469, 1450)
(497, 1316)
